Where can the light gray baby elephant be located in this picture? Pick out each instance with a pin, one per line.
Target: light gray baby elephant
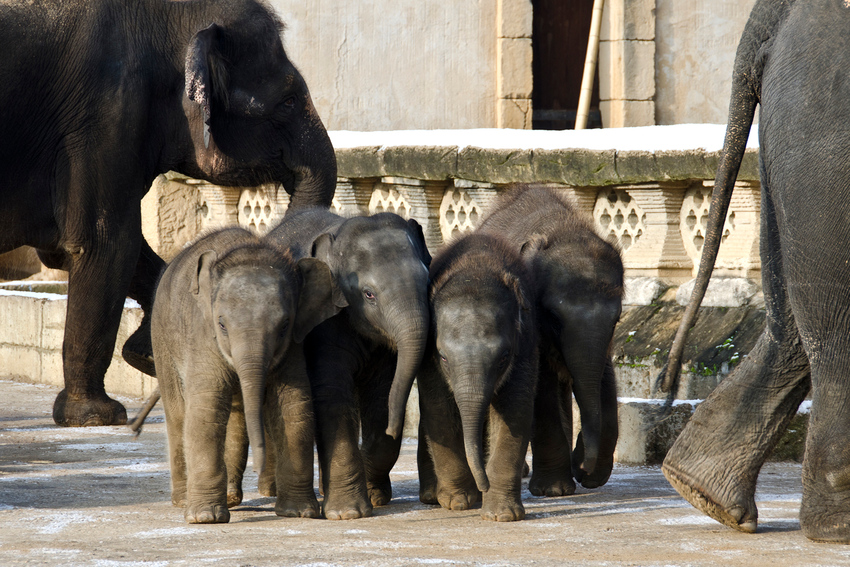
(226, 311)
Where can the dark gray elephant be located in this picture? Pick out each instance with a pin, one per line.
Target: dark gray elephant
(579, 288)
(793, 60)
(477, 382)
(98, 97)
(226, 311)
(362, 362)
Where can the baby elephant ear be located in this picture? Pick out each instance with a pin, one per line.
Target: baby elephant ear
(323, 247)
(206, 75)
(419, 237)
(320, 297)
(533, 245)
(201, 278)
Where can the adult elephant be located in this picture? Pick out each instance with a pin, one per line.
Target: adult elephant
(793, 59)
(98, 97)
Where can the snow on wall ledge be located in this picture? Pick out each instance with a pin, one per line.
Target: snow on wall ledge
(579, 158)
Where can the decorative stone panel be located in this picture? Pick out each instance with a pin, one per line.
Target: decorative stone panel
(739, 245)
(463, 207)
(619, 218)
(219, 205)
(644, 221)
(260, 209)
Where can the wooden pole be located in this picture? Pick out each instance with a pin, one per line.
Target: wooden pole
(589, 65)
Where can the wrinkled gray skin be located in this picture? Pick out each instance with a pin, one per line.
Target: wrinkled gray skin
(97, 98)
(579, 286)
(226, 312)
(477, 382)
(363, 361)
(793, 60)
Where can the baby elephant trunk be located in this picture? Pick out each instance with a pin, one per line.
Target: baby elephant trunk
(473, 411)
(251, 371)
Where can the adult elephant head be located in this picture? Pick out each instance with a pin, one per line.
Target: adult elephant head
(251, 117)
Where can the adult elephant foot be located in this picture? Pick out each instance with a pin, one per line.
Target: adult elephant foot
(716, 491)
(207, 514)
(137, 350)
(551, 482)
(502, 508)
(297, 508)
(462, 499)
(336, 507)
(88, 411)
(825, 512)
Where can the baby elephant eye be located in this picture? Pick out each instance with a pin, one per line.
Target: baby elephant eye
(289, 102)
(369, 294)
(283, 328)
(443, 358)
(222, 326)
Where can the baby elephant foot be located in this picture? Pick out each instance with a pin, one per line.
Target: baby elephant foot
(551, 484)
(234, 496)
(733, 506)
(458, 499)
(267, 486)
(380, 492)
(428, 493)
(346, 507)
(502, 508)
(207, 514)
(297, 508)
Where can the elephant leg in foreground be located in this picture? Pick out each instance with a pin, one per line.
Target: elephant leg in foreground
(380, 451)
(442, 453)
(98, 280)
(236, 450)
(290, 424)
(551, 441)
(343, 475)
(509, 432)
(716, 459)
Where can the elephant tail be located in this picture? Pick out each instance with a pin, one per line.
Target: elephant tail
(765, 19)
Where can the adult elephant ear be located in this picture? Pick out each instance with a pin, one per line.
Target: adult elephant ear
(206, 73)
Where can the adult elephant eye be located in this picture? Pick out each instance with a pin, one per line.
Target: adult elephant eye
(289, 102)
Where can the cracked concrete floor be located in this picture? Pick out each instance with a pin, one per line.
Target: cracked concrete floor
(100, 497)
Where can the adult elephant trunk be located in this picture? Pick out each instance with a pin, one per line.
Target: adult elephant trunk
(410, 332)
(251, 369)
(313, 163)
(473, 403)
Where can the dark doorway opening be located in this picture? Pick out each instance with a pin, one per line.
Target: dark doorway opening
(559, 42)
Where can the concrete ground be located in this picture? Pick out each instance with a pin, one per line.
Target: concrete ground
(100, 497)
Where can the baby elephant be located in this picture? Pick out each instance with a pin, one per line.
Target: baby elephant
(478, 377)
(225, 313)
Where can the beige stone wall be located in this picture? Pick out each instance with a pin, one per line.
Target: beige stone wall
(695, 49)
(412, 64)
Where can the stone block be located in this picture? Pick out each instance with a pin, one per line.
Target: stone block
(636, 166)
(514, 113)
(628, 19)
(721, 292)
(53, 322)
(578, 167)
(514, 18)
(51, 368)
(514, 74)
(495, 166)
(681, 165)
(20, 263)
(623, 113)
(625, 70)
(644, 437)
(421, 162)
(643, 290)
(360, 162)
(20, 362)
(123, 379)
(21, 317)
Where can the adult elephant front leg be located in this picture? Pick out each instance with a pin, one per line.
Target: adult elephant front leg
(101, 262)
